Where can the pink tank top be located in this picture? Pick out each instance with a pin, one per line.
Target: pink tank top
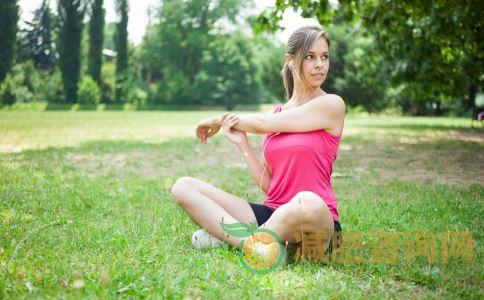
(300, 161)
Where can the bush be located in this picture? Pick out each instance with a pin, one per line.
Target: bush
(108, 81)
(8, 91)
(24, 95)
(89, 92)
(138, 97)
(50, 89)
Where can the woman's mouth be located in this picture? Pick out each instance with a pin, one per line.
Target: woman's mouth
(317, 75)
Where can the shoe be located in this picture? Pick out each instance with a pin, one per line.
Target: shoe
(201, 239)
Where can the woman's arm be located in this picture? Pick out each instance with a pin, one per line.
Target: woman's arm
(239, 138)
(325, 112)
(256, 167)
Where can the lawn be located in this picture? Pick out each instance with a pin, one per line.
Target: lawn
(85, 209)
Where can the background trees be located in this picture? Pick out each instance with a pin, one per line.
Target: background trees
(8, 30)
(70, 15)
(121, 45)
(36, 39)
(421, 58)
(434, 49)
(96, 39)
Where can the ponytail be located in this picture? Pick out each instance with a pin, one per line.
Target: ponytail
(288, 80)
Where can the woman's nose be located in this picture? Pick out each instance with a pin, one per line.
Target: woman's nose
(319, 62)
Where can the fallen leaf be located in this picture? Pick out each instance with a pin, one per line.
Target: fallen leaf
(78, 284)
(65, 283)
(20, 274)
(104, 279)
(29, 286)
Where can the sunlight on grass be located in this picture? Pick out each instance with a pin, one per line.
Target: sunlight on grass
(85, 208)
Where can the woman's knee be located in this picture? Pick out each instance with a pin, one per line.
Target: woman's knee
(309, 206)
(181, 187)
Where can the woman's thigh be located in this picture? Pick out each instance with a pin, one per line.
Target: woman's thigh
(235, 206)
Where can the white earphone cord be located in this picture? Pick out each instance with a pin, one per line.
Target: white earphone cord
(264, 160)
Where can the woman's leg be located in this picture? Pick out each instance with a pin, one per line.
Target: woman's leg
(208, 206)
(306, 213)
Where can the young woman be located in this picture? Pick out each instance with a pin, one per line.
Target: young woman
(299, 149)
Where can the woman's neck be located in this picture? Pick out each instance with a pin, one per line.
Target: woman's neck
(301, 95)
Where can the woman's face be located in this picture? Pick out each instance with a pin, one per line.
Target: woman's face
(315, 64)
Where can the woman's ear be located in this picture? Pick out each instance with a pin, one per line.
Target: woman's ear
(289, 61)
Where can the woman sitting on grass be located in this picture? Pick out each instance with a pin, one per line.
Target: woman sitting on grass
(299, 149)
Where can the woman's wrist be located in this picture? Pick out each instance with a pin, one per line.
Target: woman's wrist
(218, 120)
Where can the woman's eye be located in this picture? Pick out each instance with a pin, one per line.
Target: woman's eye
(309, 57)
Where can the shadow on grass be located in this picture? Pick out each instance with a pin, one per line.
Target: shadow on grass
(146, 107)
(425, 127)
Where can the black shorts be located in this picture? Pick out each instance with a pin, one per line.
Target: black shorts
(263, 213)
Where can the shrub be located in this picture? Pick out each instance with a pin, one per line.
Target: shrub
(50, 89)
(89, 92)
(8, 91)
(138, 97)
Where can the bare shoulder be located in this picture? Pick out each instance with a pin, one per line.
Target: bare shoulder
(329, 103)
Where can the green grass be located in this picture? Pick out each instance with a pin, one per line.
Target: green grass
(85, 209)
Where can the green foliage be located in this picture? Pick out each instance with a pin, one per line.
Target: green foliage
(89, 92)
(433, 49)
(9, 14)
(121, 42)
(49, 87)
(108, 79)
(268, 54)
(227, 72)
(36, 84)
(35, 41)
(109, 33)
(357, 72)
(70, 14)
(138, 97)
(172, 50)
(96, 39)
(8, 91)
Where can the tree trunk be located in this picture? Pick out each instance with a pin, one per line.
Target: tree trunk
(471, 98)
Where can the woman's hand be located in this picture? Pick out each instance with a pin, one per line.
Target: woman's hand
(208, 127)
(235, 136)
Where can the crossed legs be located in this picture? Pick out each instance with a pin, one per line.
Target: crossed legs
(208, 206)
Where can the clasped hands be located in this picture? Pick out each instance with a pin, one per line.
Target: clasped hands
(211, 126)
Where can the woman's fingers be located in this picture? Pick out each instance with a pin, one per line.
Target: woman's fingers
(201, 133)
(224, 116)
(230, 120)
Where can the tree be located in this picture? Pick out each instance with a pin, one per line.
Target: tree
(8, 31)
(96, 40)
(227, 72)
(173, 48)
(357, 72)
(121, 42)
(434, 48)
(268, 54)
(36, 41)
(71, 14)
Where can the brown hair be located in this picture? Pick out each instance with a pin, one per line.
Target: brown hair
(298, 46)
